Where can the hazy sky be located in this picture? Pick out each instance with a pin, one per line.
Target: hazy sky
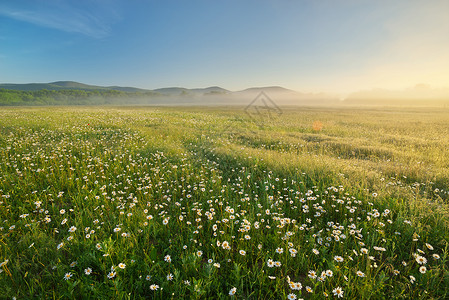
(310, 45)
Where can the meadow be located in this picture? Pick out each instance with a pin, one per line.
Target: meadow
(213, 203)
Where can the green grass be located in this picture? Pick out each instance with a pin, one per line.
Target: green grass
(113, 192)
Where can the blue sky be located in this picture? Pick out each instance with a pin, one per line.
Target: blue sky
(312, 46)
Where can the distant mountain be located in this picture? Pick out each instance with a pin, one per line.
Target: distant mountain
(128, 89)
(267, 89)
(213, 90)
(172, 90)
(179, 91)
(73, 85)
(58, 85)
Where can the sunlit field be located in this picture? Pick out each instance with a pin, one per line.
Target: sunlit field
(212, 203)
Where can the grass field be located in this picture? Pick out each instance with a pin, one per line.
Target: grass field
(166, 203)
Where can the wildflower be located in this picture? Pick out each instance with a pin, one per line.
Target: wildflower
(88, 271)
(315, 251)
(60, 246)
(170, 277)
(295, 285)
(242, 252)
(291, 296)
(270, 263)
(148, 277)
(360, 274)
(199, 253)
(72, 229)
(186, 282)
(225, 245)
(117, 229)
(121, 266)
(422, 269)
(233, 291)
(412, 279)
(111, 274)
(73, 264)
(154, 287)
(338, 292)
(98, 246)
(421, 260)
(293, 252)
(277, 264)
(167, 258)
(67, 276)
(436, 256)
(165, 221)
(329, 273)
(338, 258)
(312, 274)
(429, 246)
(279, 250)
(309, 289)
(217, 265)
(364, 250)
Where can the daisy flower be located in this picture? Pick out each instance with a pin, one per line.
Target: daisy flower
(67, 276)
(111, 274)
(338, 292)
(291, 296)
(421, 260)
(88, 271)
(232, 291)
(338, 258)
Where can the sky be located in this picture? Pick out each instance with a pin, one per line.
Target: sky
(334, 46)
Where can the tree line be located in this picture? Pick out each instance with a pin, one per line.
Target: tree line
(68, 97)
